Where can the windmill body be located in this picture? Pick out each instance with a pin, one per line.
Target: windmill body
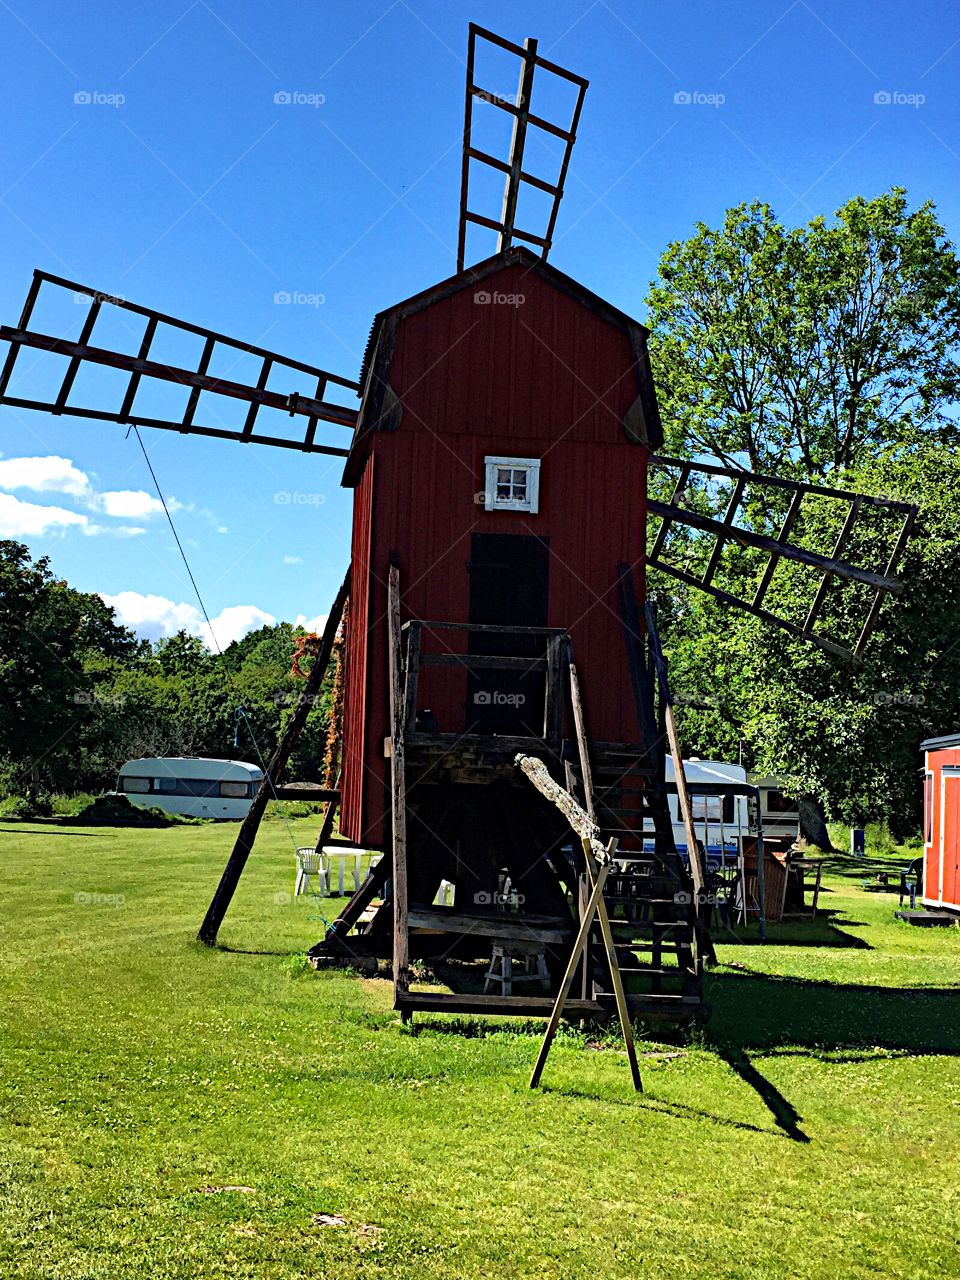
(510, 360)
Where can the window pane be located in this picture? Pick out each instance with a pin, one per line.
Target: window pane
(169, 785)
(234, 790)
(137, 785)
(520, 485)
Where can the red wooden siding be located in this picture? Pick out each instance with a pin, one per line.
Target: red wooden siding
(355, 673)
(546, 379)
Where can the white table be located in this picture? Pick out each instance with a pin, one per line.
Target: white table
(344, 855)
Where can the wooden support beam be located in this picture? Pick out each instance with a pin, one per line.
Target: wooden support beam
(824, 586)
(728, 518)
(697, 867)
(351, 913)
(247, 834)
(401, 934)
(614, 965)
(789, 520)
(580, 727)
(580, 821)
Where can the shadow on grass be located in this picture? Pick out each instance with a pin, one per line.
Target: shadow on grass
(647, 1102)
(821, 932)
(763, 1013)
(10, 831)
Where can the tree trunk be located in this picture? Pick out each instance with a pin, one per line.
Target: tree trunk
(813, 823)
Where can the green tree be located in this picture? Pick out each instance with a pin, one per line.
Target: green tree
(56, 649)
(800, 350)
(829, 353)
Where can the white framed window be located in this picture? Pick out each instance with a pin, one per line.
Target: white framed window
(512, 484)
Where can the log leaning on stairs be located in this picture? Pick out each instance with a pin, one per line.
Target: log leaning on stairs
(232, 872)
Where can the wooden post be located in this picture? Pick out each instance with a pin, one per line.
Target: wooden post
(697, 868)
(580, 726)
(401, 935)
(278, 761)
(571, 969)
(616, 977)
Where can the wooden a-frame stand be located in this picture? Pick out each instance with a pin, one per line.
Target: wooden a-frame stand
(599, 863)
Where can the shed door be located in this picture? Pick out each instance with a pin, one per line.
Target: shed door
(950, 837)
(509, 584)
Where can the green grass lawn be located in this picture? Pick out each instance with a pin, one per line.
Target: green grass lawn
(173, 1111)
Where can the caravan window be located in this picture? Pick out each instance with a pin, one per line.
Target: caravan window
(777, 802)
(166, 786)
(709, 808)
(712, 808)
(138, 786)
(234, 790)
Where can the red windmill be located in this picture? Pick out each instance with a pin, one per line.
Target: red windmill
(499, 460)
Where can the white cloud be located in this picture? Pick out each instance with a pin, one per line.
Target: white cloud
(312, 624)
(52, 474)
(155, 616)
(293, 559)
(129, 504)
(114, 531)
(234, 622)
(21, 519)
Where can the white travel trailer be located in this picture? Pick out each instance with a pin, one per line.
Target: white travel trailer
(191, 786)
(722, 822)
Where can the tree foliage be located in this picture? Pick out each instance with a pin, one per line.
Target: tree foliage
(798, 350)
(824, 353)
(80, 694)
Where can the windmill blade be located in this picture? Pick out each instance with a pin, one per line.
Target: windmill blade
(315, 408)
(772, 491)
(512, 167)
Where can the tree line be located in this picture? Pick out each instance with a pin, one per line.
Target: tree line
(80, 694)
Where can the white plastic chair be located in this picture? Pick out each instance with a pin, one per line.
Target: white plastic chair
(310, 863)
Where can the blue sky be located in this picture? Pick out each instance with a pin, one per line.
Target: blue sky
(183, 184)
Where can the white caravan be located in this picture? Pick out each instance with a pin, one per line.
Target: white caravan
(191, 786)
(722, 822)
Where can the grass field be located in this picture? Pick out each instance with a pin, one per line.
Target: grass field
(173, 1111)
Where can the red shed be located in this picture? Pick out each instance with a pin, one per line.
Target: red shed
(500, 460)
(941, 822)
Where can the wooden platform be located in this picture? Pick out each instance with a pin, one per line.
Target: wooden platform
(489, 924)
(930, 918)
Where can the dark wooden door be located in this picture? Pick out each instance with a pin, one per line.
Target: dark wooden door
(509, 586)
